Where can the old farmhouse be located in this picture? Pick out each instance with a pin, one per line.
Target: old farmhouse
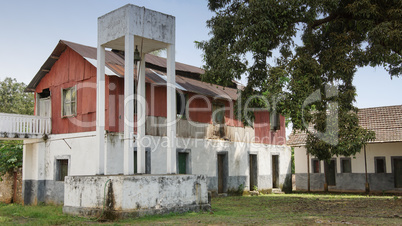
(60, 140)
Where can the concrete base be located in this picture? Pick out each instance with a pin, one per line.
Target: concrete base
(132, 196)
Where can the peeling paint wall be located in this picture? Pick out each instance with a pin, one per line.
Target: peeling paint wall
(7, 188)
(356, 180)
(40, 184)
(141, 193)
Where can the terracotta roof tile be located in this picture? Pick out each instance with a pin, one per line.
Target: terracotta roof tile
(386, 122)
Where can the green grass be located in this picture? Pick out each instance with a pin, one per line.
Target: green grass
(266, 209)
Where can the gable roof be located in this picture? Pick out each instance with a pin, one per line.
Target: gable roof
(386, 122)
(187, 76)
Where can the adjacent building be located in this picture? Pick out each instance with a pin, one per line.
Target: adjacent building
(379, 163)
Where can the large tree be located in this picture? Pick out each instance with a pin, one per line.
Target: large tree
(318, 46)
(14, 100)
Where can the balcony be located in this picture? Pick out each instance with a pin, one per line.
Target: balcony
(14, 126)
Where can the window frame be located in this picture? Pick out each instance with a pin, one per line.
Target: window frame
(73, 110)
(312, 165)
(188, 160)
(57, 160)
(350, 164)
(375, 164)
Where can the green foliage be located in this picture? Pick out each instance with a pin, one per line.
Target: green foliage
(13, 100)
(320, 44)
(10, 156)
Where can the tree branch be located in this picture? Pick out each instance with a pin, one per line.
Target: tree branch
(324, 20)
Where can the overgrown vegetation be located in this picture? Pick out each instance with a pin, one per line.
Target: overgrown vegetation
(300, 58)
(259, 210)
(13, 100)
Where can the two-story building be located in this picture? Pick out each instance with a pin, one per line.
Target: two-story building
(210, 140)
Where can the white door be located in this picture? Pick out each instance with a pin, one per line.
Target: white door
(45, 107)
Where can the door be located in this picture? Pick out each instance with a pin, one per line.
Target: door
(222, 172)
(183, 163)
(253, 172)
(275, 171)
(330, 172)
(44, 107)
(398, 172)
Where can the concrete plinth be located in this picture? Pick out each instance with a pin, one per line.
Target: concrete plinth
(121, 196)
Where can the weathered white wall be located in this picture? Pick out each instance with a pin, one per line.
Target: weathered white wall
(372, 150)
(84, 194)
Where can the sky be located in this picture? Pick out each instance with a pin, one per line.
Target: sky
(30, 30)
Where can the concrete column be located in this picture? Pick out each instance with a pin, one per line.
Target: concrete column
(100, 111)
(171, 110)
(129, 104)
(141, 117)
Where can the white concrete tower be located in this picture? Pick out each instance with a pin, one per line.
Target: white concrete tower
(123, 29)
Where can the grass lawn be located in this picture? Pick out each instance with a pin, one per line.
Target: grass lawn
(266, 209)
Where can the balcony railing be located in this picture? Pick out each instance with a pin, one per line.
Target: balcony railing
(14, 125)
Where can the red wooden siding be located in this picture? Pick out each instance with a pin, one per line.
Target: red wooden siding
(263, 133)
(73, 70)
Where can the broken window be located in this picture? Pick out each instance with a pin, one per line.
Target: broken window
(346, 165)
(69, 102)
(315, 165)
(379, 164)
(61, 169)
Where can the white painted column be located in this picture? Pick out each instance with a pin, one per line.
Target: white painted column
(100, 110)
(129, 105)
(171, 110)
(141, 117)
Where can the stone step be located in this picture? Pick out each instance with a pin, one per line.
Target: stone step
(277, 191)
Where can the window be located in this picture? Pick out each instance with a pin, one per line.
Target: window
(183, 161)
(61, 169)
(274, 120)
(379, 163)
(346, 165)
(147, 160)
(315, 163)
(218, 113)
(181, 102)
(69, 102)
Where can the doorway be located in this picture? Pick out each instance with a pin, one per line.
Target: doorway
(398, 172)
(253, 172)
(222, 172)
(44, 104)
(330, 172)
(275, 171)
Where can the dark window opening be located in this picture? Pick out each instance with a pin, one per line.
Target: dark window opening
(274, 121)
(44, 94)
(346, 165)
(315, 165)
(181, 104)
(147, 161)
(62, 169)
(379, 164)
(218, 113)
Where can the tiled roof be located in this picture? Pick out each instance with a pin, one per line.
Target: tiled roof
(386, 122)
